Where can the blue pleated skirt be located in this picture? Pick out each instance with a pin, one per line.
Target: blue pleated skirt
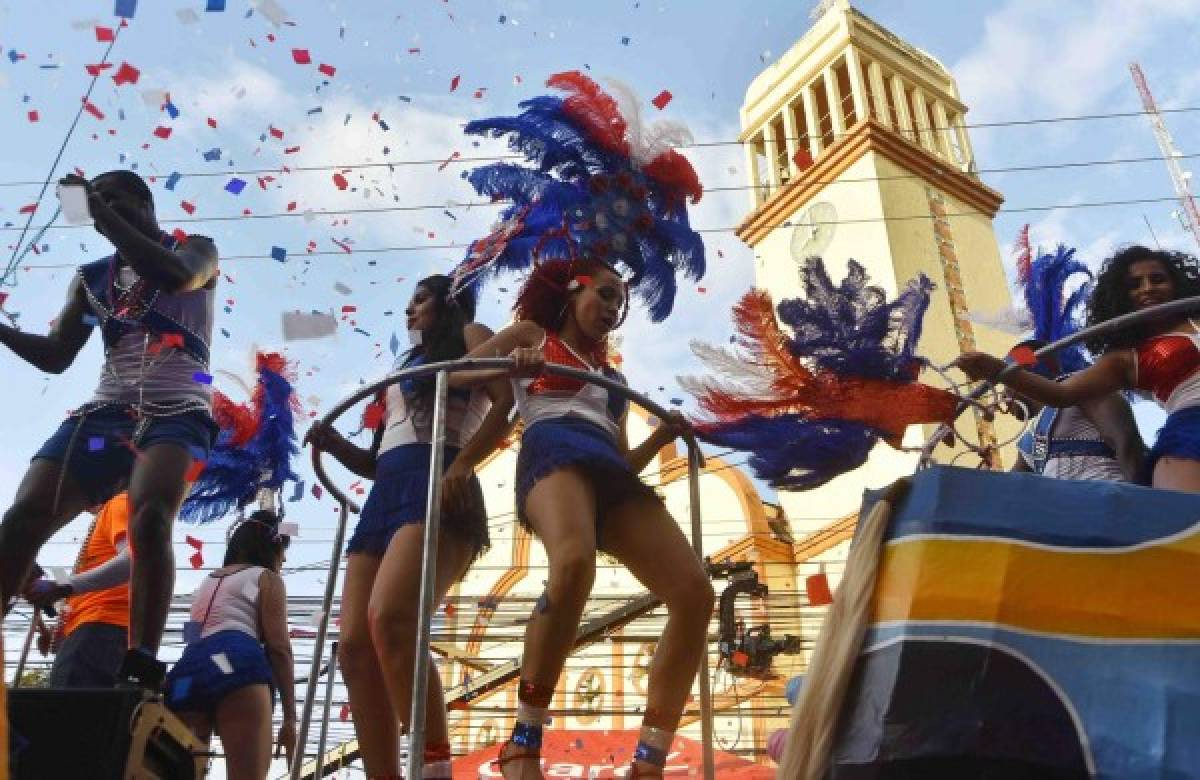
(550, 445)
(1178, 438)
(399, 497)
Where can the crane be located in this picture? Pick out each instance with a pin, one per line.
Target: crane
(1189, 214)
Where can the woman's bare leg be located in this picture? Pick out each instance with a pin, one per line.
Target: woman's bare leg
(375, 723)
(1181, 474)
(243, 723)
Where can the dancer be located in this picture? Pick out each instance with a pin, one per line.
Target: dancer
(1161, 359)
(91, 636)
(380, 597)
(148, 421)
(238, 654)
(1098, 439)
(578, 490)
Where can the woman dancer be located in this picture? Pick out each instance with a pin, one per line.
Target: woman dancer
(238, 653)
(578, 490)
(383, 574)
(1161, 359)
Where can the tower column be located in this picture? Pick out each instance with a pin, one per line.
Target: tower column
(875, 74)
(925, 133)
(792, 142)
(858, 87)
(772, 147)
(810, 122)
(902, 115)
(943, 130)
(757, 196)
(836, 115)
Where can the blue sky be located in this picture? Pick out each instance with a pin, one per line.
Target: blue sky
(1015, 60)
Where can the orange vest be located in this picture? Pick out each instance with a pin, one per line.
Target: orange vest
(102, 606)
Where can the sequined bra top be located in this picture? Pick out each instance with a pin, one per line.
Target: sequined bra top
(1168, 368)
(551, 396)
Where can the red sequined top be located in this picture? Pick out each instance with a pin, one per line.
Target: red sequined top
(1168, 367)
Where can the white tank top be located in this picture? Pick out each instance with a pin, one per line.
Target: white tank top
(546, 398)
(228, 603)
(1072, 423)
(403, 425)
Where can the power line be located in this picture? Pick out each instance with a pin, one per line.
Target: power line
(786, 224)
(693, 145)
(468, 205)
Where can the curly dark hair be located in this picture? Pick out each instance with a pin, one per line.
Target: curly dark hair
(1110, 297)
(257, 541)
(544, 296)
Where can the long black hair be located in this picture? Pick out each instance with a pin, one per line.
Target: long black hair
(257, 541)
(1110, 297)
(444, 339)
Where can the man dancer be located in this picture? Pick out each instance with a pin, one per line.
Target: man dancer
(149, 419)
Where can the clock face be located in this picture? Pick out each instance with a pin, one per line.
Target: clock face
(813, 230)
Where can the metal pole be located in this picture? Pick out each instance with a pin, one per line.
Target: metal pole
(433, 517)
(33, 618)
(706, 711)
(332, 673)
(314, 672)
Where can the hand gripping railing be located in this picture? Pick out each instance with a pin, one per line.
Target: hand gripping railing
(1124, 322)
(416, 731)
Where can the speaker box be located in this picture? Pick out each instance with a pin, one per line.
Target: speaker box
(98, 734)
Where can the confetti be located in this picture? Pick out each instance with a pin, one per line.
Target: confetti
(104, 34)
(454, 83)
(33, 115)
(126, 74)
(279, 254)
(317, 325)
(340, 182)
(172, 180)
(212, 155)
(343, 289)
(328, 70)
(188, 207)
(301, 57)
(817, 586)
(235, 186)
(125, 8)
(297, 492)
(202, 378)
(162, 132)
(661, 99)
(214, 6)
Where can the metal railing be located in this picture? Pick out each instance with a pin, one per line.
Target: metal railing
(442, 370)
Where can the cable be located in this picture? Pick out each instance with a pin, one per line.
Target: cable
(732, 188)
(6, 279)
(694, 145)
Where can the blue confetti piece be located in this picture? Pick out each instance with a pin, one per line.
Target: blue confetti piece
(121, 114)
(317, 110)
(90, 320)
(502, 19)
(624, 40)
(394, 344)
(95, 443)
(224, 333)
(212, 154)
(125, 8)
(279, 253)
(51, 66)
(360, 330)
(215, 5)
(677, 402)
(297, 492)
(13, 56)
(383, 125)
(202, 378)
(172, 111)
(235, 186)
(406, 98)
(173, 179)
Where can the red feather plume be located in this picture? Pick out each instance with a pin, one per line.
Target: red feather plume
(593, 108)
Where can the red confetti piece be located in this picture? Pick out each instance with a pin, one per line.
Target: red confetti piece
(188, 207)
(162, 132)
(373, 415)
(1023, 356)
(343, 245)
(197, 560)
(661, 99)
(316, 490)
(90, 107)
(340, 181)
(448, 160)
(276, 132)
(180, 235)
(194, 542)
(348, 309)
(300, 57)
(819, 593)
(291, 150)
(328, 70)
(702, 290)
(344, 713)
(28, 208)
(34, 116)
(95, 70)
(454, 83)
(126, 74)
(104, 34)
(212, 123)
(291, 206)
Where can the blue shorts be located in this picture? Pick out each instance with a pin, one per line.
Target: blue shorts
(399, 497)
(215, 666)
(548, 446)
(101, 457)
(1179, 437)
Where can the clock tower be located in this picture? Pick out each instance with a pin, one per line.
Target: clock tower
(856, 147)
